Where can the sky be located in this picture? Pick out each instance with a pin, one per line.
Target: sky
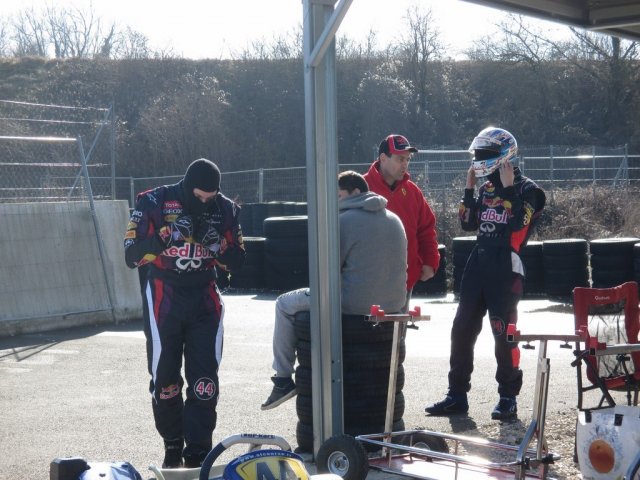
(221, 28)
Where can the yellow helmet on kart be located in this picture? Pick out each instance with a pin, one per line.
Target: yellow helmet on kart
(266, 465)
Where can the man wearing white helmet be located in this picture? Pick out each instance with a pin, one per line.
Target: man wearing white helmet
(503, 213)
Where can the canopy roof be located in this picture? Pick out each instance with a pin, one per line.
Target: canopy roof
(620, 18)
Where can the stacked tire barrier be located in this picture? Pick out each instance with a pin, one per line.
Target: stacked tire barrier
(251, 275)
(366, 356)
(612, 261)
(436, 286)
(286, 252)
(253, 215)
(462, 247)
(566, 266)
(532, 259)
(277, 257)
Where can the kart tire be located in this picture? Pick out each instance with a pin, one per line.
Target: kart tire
(359, 385)
(357, 356)
(356, 412)
(565, 246)
(343, 455)
(355, 329)
(424, 441)
(304, 432)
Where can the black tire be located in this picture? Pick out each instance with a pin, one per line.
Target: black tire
(286, 247)
(565, 246)
(246, 219)
(343, 455)
(463, 244)
(357, 356)
(365, 384)
(613, 246)
(611, 278)
(355, 329)
(566, 275)
(424, 441)
(565, 262)
(531, 249)
(304, 432)
(248, 277)
(369, 411)
(258, 214)
(285, 227)
(611, 262)
(300, 208)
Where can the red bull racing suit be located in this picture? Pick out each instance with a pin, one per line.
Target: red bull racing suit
(493, 276)
(183, 310)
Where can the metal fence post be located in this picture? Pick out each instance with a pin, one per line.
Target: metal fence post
(261, 185)
(626, 164)
(113, 152)
(132, 192)
(551, 169)
(593, 166)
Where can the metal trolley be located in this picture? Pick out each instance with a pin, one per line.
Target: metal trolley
(426, 454)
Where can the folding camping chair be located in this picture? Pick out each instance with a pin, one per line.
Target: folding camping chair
(607, 321)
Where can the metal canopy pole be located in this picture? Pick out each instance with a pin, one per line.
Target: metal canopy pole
(320, 24)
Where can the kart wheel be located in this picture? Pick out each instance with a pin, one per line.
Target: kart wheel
(343, 455)
(425, 441)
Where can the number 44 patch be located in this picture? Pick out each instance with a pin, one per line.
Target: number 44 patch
(204, 388)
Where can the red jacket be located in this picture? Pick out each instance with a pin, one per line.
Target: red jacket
(407, 201)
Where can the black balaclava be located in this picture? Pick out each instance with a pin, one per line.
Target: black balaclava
(202, 174)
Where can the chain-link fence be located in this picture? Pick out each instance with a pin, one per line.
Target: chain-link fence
(42, 147)
(50, 171)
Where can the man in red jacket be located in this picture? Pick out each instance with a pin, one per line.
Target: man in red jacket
(388, 176)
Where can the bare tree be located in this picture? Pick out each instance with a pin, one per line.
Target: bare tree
(72, 33)
(29, 34)
(419, 48)
(280, 47)
(516, 41)
(4, 39)
(131, 44)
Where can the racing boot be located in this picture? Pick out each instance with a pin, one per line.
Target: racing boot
(283, 389)
(194, 455)
(453, 403)
(173, 453)
(506, 408)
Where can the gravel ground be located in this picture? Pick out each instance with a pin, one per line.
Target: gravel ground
(559, 431)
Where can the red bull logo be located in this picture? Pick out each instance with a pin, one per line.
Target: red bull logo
(189, 250)
(492, 215)
(169, 392)
(492, 202)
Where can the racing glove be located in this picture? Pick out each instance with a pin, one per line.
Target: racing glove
(207, 234)
(179, 231)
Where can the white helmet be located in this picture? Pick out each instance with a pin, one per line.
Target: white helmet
(491, 148)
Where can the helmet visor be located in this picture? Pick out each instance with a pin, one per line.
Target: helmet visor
(485, 143)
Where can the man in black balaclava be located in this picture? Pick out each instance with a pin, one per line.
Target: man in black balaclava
(204, 175)
(180, 233)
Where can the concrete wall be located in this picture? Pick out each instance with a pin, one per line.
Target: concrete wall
(50, 271)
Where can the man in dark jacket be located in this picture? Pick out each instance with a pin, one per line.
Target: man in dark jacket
(503, 213)
(180, 233)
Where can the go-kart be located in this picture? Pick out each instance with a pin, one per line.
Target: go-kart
(257, 464)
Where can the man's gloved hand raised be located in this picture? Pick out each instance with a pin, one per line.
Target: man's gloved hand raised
(181, 230)
(207, 234)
